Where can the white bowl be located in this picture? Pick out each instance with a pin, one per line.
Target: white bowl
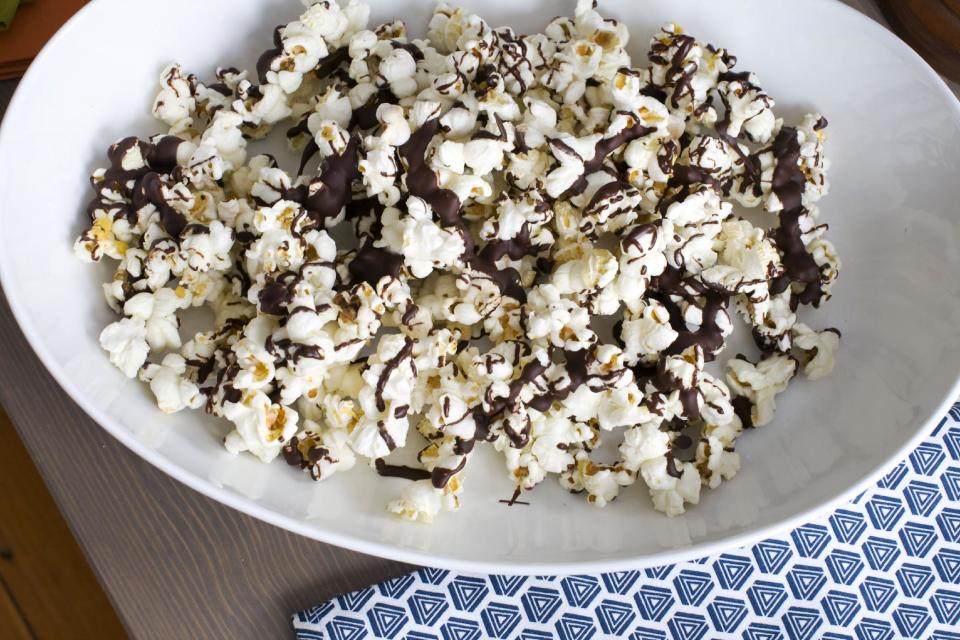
(895, 146)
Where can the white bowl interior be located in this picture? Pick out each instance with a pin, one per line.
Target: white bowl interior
(895, 146)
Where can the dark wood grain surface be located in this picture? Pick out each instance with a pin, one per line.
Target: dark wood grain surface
(47, 588)
(931, 27)
(174, 563)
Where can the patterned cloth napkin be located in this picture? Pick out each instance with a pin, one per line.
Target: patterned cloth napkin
(885, 566)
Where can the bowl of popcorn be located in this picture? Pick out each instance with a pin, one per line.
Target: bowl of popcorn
(486, 288)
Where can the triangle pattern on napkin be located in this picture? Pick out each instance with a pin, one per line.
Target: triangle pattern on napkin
(882, 567)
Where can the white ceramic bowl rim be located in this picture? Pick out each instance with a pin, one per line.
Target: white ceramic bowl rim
(252, 508)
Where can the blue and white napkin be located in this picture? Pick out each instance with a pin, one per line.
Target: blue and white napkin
(883, 567)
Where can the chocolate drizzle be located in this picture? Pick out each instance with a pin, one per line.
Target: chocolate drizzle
(231, 393)
(149, 190)
(385, 435)
(409, 313)
(277, 293)
(400, 471)
(632, 237)
(666, 383)
(610, 193)
(576, 372)
(332, 62)
(516, 247)
(286, 350)
(266, 59)
(788, 184)
(388, 368)
(143, 185)
(601, 151)
(439, 477)
(304, 454)
(684, 180)
(371, 264)
(752, 173)
(327, 195)
(655, 92)
(744, 410)
(678, 74)
(514, 499)
(672, 470)
(515, 48)
(422, 183)
(162, 155)
(500, 136)
(365, 117)
(709, 336)
(410, 48)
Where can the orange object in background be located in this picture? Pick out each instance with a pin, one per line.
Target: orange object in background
(35, 23)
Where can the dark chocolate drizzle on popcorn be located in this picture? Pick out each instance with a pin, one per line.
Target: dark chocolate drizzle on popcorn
(325, 196)
(788, 184)
(709, 336)
(400, 471)
(422, 182)
(265, 61)
(388, 368)
(141, 186)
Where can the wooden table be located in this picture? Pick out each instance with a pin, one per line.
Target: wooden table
(174, 563)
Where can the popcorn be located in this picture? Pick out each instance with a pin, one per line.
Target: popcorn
(256, 364)
(647, 333)
(303, 47)
(320, 450)
(594, 270)
(262, 427)
(688, 70)
(819, 349)
(104, 238)
(222, 148)
(571, 153)
(397, 70)
(176, 103)
(211, 250)
(173, 392)
(520, 240)
(748, 108)
(716, 463)
(421, 502)
(424, 244)
(760, 383)
(672, 485)
(601, 482)
(126, 342)
(158, 313)
(559, 320)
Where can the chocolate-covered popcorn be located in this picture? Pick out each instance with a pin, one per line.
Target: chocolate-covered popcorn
(484, 237)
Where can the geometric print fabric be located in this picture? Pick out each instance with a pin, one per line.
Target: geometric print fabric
(883, 567)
